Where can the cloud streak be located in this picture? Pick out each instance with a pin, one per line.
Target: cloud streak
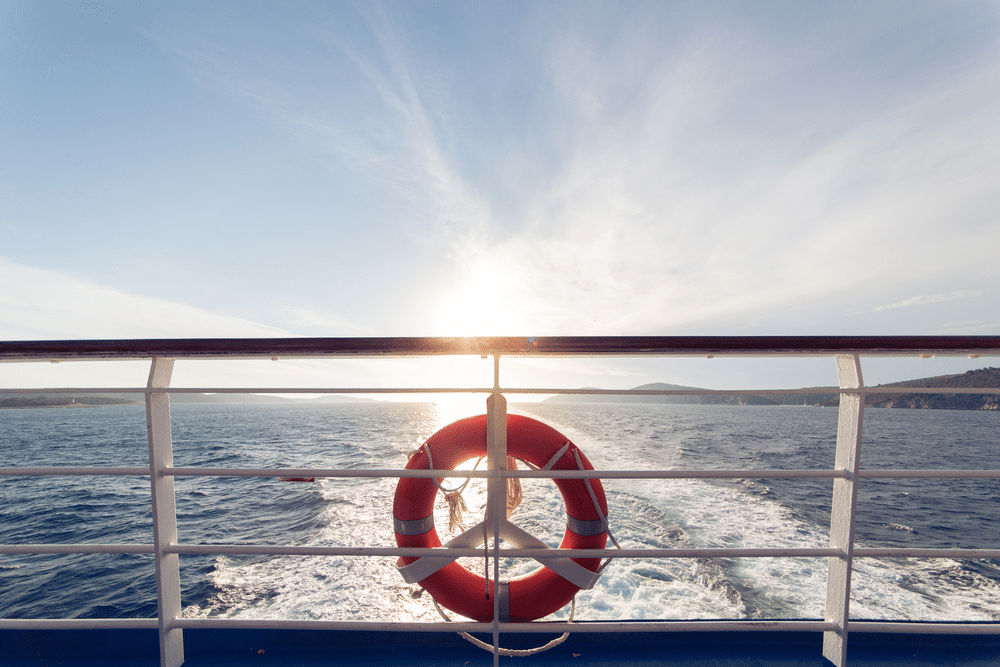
(930, 298)
(42, 304)
(660, 170)
(653, 222)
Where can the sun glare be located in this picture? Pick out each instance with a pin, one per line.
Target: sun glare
(490, 300)
(452, 407)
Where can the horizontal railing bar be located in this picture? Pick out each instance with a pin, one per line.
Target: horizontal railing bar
(251, 390)
(76, 390)
(509, 390)
(920, 390)
(77, 623)
(921, 627)
(506, 346)
(674, 474)
(73, 470)
(303, 624)
(901, 627)
(85, 390)
(545, 627)
(521, 474)
(907, 552)
(269, 550)
(748, 392)
(321, 472)
(258, 550)
(76, 549)
(327, 390)
(930, 474)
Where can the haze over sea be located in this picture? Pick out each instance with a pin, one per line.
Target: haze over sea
(357, 512)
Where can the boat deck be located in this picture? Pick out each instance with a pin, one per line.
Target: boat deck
(284, 648)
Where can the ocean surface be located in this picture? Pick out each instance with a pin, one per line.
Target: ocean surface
(357, 512)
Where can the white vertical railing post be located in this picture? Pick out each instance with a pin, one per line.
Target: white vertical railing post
(168, 582)
(496, 491)
(845, 498)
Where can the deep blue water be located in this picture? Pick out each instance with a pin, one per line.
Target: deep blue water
(662, 513)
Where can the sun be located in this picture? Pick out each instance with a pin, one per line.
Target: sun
(490, 299)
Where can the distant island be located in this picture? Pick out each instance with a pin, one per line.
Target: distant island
(97, 400)
(987, 379)
(810, 396)
(984, 378)
(263, 398)
(66, 400)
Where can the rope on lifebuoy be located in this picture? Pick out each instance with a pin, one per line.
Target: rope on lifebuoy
(456, 503)
(514, 493)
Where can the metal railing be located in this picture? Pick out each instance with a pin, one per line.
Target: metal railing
(847, 351)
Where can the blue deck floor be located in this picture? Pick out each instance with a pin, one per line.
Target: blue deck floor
(274, 648)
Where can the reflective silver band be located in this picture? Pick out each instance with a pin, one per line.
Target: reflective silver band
(414, 526)
(503, 590)
(581, 527)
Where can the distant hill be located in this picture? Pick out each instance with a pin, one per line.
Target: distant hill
(810, 396)
(261, 398)
(987, 379)
(66, 400)
(96, 400)
(620, 398)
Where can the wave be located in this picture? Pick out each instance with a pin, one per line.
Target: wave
(898, 526)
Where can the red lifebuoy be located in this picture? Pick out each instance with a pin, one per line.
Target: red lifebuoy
(530, 597)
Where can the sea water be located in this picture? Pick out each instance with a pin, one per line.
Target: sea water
(749, 512)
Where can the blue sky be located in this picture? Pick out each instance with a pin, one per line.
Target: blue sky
(512, 168)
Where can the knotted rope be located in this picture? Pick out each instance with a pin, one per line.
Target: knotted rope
(514, 494)
(456, 503)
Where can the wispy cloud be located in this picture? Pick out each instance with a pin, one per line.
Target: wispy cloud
(366, 96)
(679, 170)
(930, 298)
(40, 304)
(674, 208)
